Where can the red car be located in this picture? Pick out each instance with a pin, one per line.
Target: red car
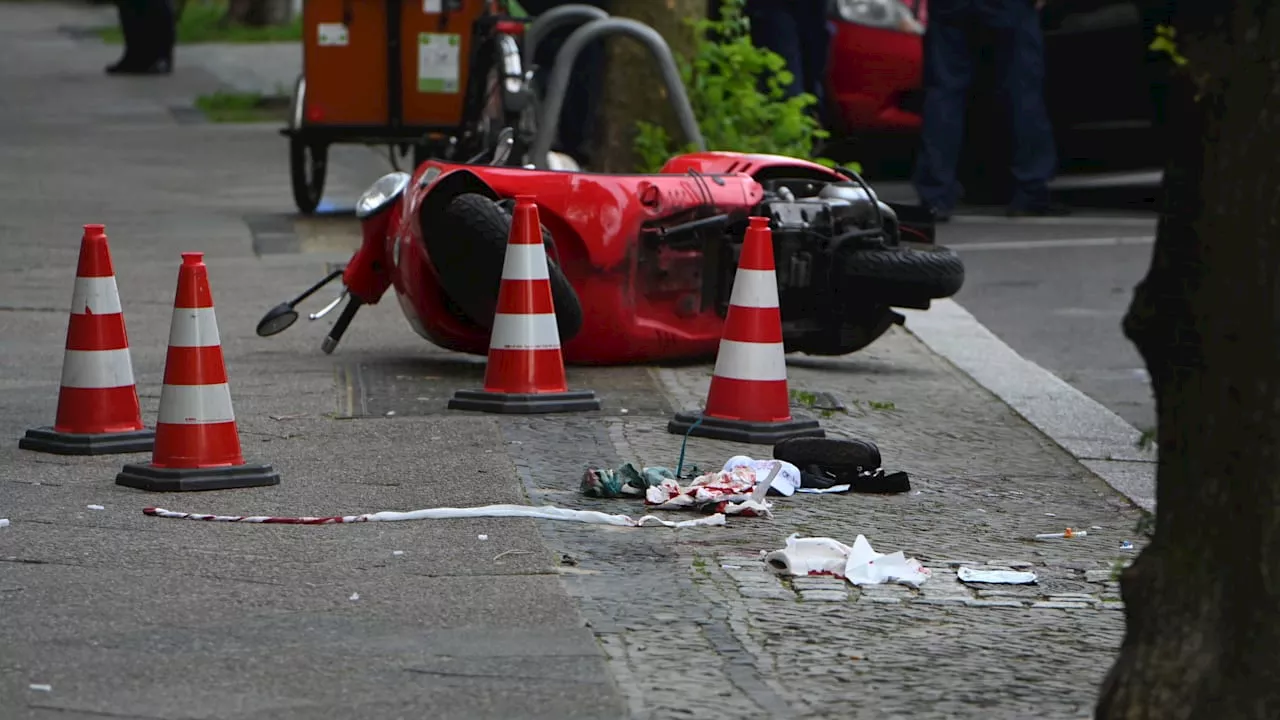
(873, 76)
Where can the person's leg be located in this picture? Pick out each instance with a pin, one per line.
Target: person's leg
(150, 39)
(1020, 55)
(814, 33)
(128, 12)
(948, 70)
(773, 27)
(166, 31)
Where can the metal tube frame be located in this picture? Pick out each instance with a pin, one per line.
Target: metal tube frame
(568, 55)
(552, 19)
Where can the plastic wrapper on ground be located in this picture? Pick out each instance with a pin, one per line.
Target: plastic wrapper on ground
(859, 564)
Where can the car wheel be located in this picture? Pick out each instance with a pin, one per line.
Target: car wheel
(468, 246)
(907, 275)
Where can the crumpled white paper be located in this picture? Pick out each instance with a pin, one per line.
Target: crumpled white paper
(996, 577)
(860, 564)
(786, 482)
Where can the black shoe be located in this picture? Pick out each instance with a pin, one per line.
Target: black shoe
(1052, 209)
(159, 66)
(121, 65)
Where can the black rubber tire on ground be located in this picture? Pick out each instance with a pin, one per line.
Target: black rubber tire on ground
(906, 275)
(468, 246)
(830, 454)
(308, 163)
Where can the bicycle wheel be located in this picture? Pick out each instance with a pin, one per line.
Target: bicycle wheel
(496, 98)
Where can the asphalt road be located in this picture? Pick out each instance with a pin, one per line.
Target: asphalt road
(1056, 289)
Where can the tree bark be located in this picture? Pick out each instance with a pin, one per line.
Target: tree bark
(259, 13)
(1203, 599)
(633, 89)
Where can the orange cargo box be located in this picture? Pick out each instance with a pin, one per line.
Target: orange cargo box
(387, 63)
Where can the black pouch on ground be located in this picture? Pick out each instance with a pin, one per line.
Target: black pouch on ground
(828, 462)
(873, 481)
(828, 453)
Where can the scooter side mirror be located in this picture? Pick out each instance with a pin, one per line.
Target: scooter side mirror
(277, 320)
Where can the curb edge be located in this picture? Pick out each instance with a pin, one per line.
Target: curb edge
(1100, 440)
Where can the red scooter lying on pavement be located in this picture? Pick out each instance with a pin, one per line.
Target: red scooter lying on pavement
(641, 265)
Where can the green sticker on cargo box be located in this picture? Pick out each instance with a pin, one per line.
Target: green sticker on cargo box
(438, 55)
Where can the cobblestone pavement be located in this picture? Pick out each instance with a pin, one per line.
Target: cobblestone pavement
(694, 626)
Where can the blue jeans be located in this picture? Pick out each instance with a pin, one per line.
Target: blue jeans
(798, 31)
(955, 28)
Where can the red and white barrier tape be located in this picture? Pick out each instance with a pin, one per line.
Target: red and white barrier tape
(545, 512)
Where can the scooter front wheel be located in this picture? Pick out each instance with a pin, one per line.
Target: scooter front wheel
(468, 246)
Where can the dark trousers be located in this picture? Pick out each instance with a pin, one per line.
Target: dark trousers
(581, 102)
(954, 31)
(798, 31)
(149, 29)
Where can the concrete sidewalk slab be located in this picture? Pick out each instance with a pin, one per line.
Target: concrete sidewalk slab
(131, 616)
(260, 68)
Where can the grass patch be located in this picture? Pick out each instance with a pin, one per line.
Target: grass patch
(1146, 439)
(201, 22)
(229, 107)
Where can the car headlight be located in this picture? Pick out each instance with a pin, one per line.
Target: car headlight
(883, 14)
(381, 194)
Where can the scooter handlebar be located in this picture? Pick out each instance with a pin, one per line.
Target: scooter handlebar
(340, 327)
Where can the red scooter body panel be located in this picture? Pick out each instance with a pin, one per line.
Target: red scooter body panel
(641, 301)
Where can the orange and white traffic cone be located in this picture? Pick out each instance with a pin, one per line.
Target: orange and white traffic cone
(525, 371)
(748, 399)
(197, 444)
(98, 411)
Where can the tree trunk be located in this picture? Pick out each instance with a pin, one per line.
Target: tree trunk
(259, 13)
(1203, 599)
(633, 89)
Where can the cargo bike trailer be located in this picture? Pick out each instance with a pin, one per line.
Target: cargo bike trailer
(436, 78)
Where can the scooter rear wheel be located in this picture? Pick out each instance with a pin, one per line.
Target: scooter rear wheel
(468, 248)
(908, 275)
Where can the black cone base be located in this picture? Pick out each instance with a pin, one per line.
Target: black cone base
(744, 431)
(48, 440)
(154, 479)
(524, 403)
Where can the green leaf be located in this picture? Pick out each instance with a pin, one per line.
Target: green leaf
(737, 91)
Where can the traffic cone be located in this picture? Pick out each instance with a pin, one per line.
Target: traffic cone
(748, 399)
(197, 444)
(525, 371)
(98, 412)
